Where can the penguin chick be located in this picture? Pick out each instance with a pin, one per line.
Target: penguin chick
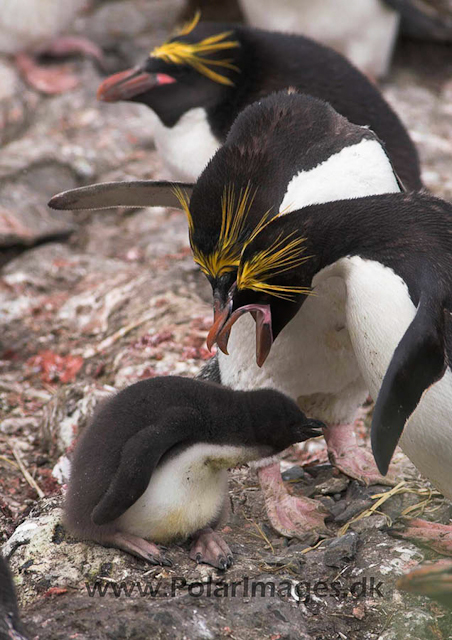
(199, 81)
(11, 627)
(153, 463)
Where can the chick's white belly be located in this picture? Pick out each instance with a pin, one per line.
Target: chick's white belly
(312, 360)
(184, 494)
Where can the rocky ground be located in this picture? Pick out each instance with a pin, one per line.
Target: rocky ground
(115, 297)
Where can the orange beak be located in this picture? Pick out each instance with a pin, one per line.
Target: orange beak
(220, 316)
(128, 84)
(264, 335)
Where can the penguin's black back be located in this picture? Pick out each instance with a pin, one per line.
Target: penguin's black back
(271, 62)
(270, 142)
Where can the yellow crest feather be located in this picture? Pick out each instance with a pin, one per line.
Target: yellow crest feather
(234, 212)
(197, 54)
(283, 254)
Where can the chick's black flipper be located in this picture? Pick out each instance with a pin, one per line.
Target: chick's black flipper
(418, 362)
(139, 458)
(130, 193)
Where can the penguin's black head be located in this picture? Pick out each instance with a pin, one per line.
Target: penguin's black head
(222, 217)
(273, 280)
(197, 67)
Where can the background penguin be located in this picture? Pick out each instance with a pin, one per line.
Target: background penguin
(393, 255)
(198, 82)
(364, 32)
(283, 153)
(153, 463)
(30, 27)
(11, 627)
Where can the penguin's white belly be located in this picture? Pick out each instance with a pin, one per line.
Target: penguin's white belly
(187, 147)
(29, 23)
(363, 31)
(184, 494)
(312, 360)
(379, 311)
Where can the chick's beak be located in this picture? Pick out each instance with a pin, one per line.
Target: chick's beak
(128, 84)
(264, 334)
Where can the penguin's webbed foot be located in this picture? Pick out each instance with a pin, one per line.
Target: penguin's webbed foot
(352, 460)
(209, 547)
(291, 516)
(139, 547)
(433, 580)
(431, 534)
(54, 80)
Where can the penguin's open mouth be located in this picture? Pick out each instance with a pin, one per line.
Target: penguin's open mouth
(264, 334)
(128, 84)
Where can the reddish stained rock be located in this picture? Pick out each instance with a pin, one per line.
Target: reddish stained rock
(56, 368)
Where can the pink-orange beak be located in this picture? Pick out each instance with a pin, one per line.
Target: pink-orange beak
(264, 335)
(128, 84)
(220, 316)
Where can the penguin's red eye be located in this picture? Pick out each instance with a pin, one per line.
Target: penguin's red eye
(162, 78)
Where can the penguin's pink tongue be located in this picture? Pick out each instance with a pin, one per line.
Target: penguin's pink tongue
(264, 335)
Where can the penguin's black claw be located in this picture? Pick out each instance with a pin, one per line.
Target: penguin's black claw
(153, 560)
(230, 560)
(209, 547)
(166, 562)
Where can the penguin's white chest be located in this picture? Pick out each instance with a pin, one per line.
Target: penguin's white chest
(184, 494)
(187, 147)
(312, 360)
(378, 312)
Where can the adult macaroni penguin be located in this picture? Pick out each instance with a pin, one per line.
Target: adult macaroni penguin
(391, 255)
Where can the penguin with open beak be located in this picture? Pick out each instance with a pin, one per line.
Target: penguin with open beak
(152, 465)
(392, 254)
(199, 81)
(283, 153)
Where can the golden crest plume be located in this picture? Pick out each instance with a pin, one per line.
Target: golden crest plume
(234, 212)
(282, 255)
(197, 54)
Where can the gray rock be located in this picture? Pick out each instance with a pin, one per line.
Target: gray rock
(341, 550)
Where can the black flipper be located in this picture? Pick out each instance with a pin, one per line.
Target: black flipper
(139, 459)
(133, 193)
(418, 362)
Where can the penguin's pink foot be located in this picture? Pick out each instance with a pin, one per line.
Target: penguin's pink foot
(209, 547)
(49, 80)
(291, 516)
(138, 547)
(433, 580)
(352, 460)
(431, 534)
(71, 45)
